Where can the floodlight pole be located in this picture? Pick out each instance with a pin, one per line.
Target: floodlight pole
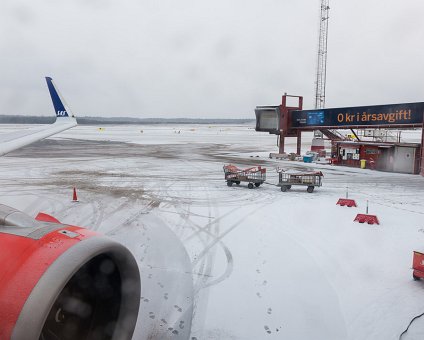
(321, 71)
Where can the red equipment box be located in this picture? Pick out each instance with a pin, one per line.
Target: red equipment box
(418, 265)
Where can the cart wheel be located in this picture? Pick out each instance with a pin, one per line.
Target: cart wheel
(229, 183)
(310, 189)
(284, 188)
(416, 278)
(257, 184)
(289, 187)
(238, 182)
(250, 185)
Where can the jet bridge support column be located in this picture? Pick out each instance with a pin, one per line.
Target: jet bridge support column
(285, 122)
(299, 142)
(281, 143)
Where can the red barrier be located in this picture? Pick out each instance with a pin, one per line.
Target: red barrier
(364, 218)
(346, 202)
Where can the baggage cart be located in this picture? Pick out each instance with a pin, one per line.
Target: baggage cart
(310, 179)
(254, 176)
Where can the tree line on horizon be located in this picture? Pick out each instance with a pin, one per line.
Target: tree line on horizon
(19, 119)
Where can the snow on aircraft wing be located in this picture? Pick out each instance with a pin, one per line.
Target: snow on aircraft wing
(64, 120)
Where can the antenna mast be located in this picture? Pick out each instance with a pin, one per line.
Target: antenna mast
(322, 56)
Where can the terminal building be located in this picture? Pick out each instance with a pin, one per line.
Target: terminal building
(393, 157)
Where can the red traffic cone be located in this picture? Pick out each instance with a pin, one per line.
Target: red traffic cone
(74, 196)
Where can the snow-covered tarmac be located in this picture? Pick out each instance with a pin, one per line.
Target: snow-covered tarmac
(222, 262)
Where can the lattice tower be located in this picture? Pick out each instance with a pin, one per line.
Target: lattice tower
(321, 72)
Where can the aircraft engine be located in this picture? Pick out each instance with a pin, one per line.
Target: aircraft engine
(64, 282)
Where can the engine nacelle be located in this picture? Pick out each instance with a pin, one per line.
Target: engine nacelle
(64, 282)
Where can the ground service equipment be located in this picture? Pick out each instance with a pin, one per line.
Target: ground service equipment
(418, 265)
(254, 176)
(309, 179)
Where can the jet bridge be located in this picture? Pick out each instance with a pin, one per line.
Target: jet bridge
(290, 121)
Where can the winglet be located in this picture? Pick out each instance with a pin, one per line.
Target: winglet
(60, 107)
(64, 120)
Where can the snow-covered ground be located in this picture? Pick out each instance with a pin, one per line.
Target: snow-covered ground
(222, 262)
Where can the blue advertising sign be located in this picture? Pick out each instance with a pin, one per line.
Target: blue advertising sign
(376, 115)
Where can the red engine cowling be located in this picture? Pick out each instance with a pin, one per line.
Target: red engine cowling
(64, 282)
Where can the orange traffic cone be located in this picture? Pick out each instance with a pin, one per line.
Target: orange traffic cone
(74, 197)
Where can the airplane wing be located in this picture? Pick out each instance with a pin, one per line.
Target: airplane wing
(64, 120)
(53, 281)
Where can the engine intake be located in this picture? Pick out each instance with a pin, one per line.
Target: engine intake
(64, 282)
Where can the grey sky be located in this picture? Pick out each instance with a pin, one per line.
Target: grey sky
(196, 58)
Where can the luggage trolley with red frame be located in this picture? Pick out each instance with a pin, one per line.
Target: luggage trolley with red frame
(255, 176)
(310, 179)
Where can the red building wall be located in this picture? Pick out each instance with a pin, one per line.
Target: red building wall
(369, 152)
(372, 154)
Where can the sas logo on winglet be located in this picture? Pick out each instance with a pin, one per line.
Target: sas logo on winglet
(62, 113)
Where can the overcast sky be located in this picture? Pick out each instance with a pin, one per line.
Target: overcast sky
(205, 59)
